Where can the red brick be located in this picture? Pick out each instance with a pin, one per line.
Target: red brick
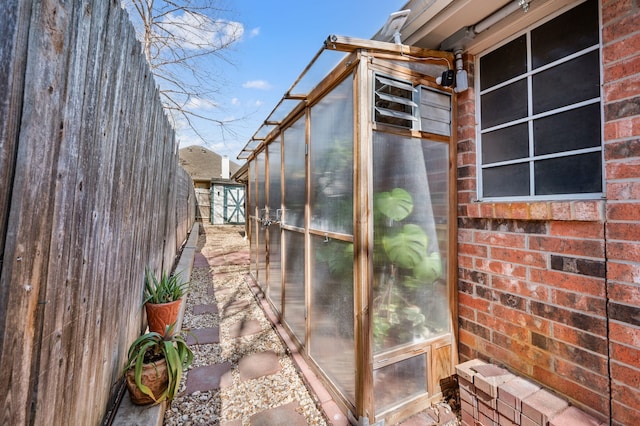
(628, 127)
(473, 250)
(579, 338)
(504, 421)
(520, 287)
(624, 272)
(539, 211)
(623, 415)
(627, 24)
(467, 372)
(578, 301)
(468, 419)
(466, 312)
(523, 257)
(567, 281)
(487, 380)
(625, 354)
(593, 378)
(473, 302)
(465, 262)
(587, 210)
(522, 319)
(623, 231)
(508, 412)
(572, 416)
(623, 211)
(626, 375)
(575, 229)
(623, 169)
(624, 334)
(621, 49)
(512, 392)
(623, 251)
(623, 190)
(567, 246)
(542, 406)
(625, 395)
(587, 397)
(626, 293)
(561, 210)
(613, 10)
(622, 68)
(502, 268)
(500, 239)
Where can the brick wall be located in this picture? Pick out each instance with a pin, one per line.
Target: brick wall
(551, 290)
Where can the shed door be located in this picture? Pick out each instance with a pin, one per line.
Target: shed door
(234, 204)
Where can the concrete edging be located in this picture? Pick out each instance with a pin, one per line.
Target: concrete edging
(127, 413)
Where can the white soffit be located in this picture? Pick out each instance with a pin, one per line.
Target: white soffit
(433, 21)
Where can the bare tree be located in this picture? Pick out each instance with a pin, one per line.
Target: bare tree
(183, 41)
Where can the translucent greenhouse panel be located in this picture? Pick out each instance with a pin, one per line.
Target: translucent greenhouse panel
(261, 197)
(294, 174)
(275, 199)
(331, 151)
(294, 296)
(410, 203)
(399, 382)
(332, 340)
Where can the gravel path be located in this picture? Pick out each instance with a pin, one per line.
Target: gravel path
(222, 283)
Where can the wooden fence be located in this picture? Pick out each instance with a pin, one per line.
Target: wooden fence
(90, 194)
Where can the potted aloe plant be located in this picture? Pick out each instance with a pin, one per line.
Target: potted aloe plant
(162, 299)
(155, 365)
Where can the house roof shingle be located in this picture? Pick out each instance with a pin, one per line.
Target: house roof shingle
(203, 164)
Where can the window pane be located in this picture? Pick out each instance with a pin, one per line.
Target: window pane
(504, 63)
(409, 283)
(574, 129)
(568, 83)
(505, 104)
(569, 33)
(294, 301)
(400, 381)
(331, 334)
(511, 180)
(569, 175)
(262, 231)
(294, 174)
(331, 152)
(509, 143)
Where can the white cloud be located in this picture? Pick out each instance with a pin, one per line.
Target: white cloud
(257, 84)
(196, 31)
(258, 103)
(254, 32)
(200, 103)
(235, 101)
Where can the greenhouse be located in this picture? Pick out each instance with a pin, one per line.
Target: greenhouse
(351, 219)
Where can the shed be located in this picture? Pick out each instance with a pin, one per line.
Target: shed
(220, 199)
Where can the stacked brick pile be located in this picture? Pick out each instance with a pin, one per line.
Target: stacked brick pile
(492, 396)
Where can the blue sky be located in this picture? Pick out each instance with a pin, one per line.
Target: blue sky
(280, 38)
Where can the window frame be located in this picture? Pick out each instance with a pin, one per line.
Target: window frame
(531, 116)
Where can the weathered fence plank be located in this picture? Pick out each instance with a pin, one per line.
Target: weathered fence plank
(97, 196)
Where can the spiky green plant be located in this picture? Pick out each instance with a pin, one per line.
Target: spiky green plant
(168, 288)
(152, 347)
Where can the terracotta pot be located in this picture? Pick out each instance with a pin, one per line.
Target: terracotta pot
(154, 375)
(162, 314)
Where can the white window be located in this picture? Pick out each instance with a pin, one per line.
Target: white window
(539, 109)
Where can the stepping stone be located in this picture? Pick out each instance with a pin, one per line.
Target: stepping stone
(258, 365)
(199, 261)
(245, 328)
(205, 309)
(283, 415)
(235, 307)
(204, 336)
(206, 378)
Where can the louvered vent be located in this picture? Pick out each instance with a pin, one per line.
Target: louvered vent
(394, 102)
(435, 112)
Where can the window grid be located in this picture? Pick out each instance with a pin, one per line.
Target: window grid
(531, 117)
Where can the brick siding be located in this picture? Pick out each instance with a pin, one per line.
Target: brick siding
(551, 290)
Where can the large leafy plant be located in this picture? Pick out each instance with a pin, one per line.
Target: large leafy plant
(403, 267)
